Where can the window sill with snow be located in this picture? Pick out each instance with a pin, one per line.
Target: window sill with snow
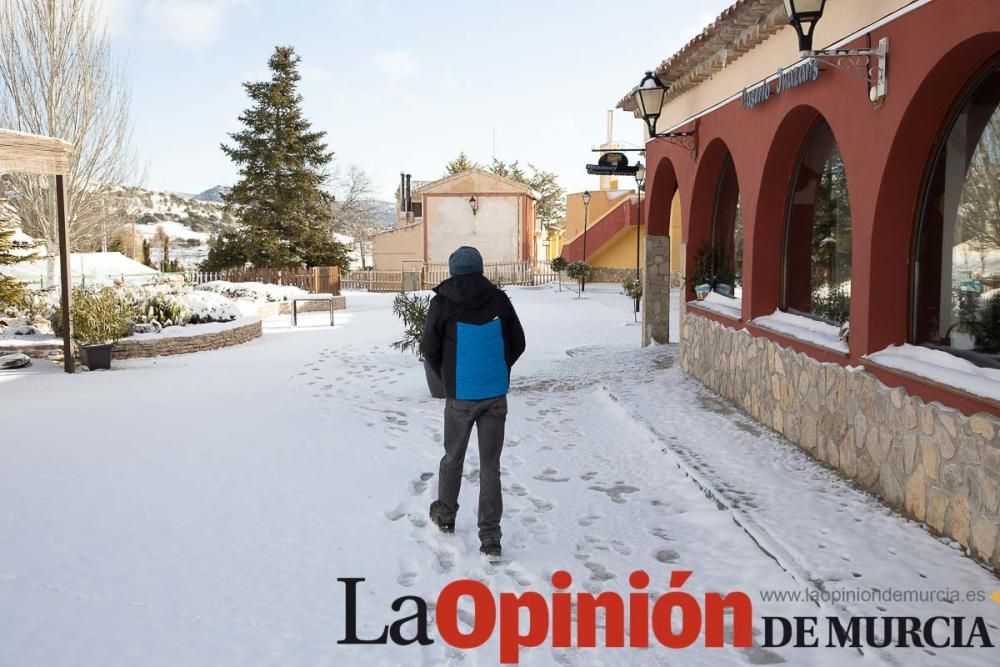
(804, 329)
(941, 368)
(731, 307)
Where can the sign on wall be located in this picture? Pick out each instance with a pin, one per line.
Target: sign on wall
(785, 78)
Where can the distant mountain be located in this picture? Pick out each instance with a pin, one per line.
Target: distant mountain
(213, 194)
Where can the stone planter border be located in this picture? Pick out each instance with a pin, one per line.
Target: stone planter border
(187, 340)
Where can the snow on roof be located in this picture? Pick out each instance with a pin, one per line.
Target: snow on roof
(93, 265)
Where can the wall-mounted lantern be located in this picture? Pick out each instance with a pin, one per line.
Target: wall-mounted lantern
(803, 15)
(474, 204)
(648, 97)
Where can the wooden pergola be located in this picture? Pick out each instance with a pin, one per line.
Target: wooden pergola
(33, 154)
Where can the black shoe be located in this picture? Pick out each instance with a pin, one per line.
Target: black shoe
(441, 518)
(490, 547)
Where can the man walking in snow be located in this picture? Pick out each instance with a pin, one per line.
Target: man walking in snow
(472, 338)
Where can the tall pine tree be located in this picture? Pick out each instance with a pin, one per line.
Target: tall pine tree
(283, 212)
(459, 164)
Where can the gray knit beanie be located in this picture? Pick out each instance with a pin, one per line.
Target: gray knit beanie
(464, 261)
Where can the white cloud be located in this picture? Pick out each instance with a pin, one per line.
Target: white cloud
(396, 62)
(192, 23)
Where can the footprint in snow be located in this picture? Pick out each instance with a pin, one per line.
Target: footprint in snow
(518, 490)
(661, 533)
(540, 504)
(598, 572)
(418, 486)
(617, 492)
(549, 475)
(395, 515)
(667, 556)
(407, 573)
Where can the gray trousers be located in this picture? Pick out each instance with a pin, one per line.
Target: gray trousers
(489, 417)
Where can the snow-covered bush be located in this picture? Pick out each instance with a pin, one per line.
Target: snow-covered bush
(210, 307)
(144, 308)
(252, 291)
(99, 316)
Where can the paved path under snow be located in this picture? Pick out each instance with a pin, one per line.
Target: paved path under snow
(203, 517)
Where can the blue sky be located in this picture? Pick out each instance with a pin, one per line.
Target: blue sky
(398, 86)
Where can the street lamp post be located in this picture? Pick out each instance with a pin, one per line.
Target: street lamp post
(586, 213)
(640, 179)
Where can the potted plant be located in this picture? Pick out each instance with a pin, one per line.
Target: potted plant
(99, 321)
(713, 270)
(412, 309)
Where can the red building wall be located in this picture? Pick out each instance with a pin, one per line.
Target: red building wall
(935, 51)
(623, 215)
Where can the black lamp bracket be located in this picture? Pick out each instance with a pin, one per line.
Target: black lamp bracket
(867, 64)
(688, 140)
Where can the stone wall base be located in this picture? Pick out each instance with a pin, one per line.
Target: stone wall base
(605, 274)
(930, 462)
(158, 346)
(162, 346)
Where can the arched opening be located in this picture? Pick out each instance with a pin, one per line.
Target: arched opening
(710, 225)
(956, 277)
(762, 265)
(659, 193)
(727, 232)
(816, 253)
(889, 303)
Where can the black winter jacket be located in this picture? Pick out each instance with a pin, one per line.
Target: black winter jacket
(472, 337)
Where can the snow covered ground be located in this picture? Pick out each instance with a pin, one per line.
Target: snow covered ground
(198, 510)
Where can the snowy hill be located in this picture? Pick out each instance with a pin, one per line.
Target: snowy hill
(154, 208)
(213, 194)
(188, 221)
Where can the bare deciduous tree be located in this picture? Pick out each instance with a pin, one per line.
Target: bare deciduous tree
(979, 209)
(58, 79)
(353, 210)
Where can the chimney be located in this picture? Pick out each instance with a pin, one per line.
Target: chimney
(409, 196)
(402, 192)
